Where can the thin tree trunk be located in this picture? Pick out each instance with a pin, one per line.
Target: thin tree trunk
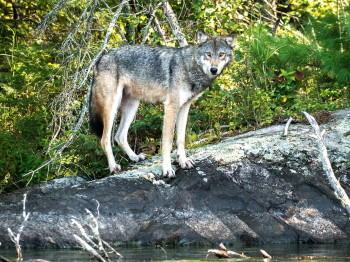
(15, 11)
(174, 24)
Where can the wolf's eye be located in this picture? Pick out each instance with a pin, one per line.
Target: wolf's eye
(221, 54)
(208, 54)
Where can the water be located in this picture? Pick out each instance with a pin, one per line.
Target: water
(279, 253)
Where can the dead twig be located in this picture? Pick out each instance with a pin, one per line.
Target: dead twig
(212, 129)
(111, 248)
(95, 230)
(224, 253)
(4, 259)
(89, 248)
(152, 14)
(166, 255)
(327, 167)
(15, 239)
(159, 30)
(265, 254)
(37, 260)
(287, 126)
(77, 83)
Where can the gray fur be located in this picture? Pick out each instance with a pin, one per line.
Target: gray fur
(173, 76)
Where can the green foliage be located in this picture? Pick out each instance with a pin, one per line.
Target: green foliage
(23, 116)
(150, 121)
(307, 67)
(217, 17)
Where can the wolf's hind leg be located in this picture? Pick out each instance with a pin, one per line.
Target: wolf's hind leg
(111, 106)
(129, 107)
(184, 162)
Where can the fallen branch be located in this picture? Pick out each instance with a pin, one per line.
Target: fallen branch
(4, 259)
(212, 129)
(224, 253)
(265, 254)
(339, 191)
(97, 238)
(37, 260)
(15, 239)
(89, 248)
(111, 248)
(166, 255)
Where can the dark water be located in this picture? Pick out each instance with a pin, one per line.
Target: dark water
(280, 253)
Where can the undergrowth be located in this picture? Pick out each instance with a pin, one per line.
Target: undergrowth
(272, 78)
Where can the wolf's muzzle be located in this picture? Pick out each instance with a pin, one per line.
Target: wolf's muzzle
(213, 70)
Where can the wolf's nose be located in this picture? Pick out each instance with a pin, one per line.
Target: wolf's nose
(213, 70)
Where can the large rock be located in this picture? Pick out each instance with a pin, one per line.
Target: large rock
(259, 187)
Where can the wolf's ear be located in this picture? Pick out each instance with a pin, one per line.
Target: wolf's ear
(202, 37)
(230, 39)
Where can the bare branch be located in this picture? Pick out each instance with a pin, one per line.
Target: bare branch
(44, 24)
(327, 167)
(111, 248)
(224, 253)
(287, 126)
(265, 254)
(89, 248)
(65, 101)
(150, 21)
(175, 27)
(116, 24)
(159, 30)
(15, 239)
(83, 232)
(4, 259)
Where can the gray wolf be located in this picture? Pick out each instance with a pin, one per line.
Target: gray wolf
(173, 76)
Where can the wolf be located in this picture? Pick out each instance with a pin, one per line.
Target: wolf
(157, 74)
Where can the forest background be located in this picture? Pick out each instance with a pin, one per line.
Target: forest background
(289, 56)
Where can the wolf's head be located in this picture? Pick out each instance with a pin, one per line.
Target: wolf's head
(215, 52)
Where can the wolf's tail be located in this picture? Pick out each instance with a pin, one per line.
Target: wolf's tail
(96, 121)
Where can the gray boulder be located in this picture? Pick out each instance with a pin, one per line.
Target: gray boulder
(258, 187)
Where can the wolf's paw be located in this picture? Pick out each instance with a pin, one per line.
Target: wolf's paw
(138, 158)
(169, 173)
(187, 164)
(141, 157)
(116, 169)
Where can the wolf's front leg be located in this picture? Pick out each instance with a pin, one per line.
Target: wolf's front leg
(168, 135)
(184, 162)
